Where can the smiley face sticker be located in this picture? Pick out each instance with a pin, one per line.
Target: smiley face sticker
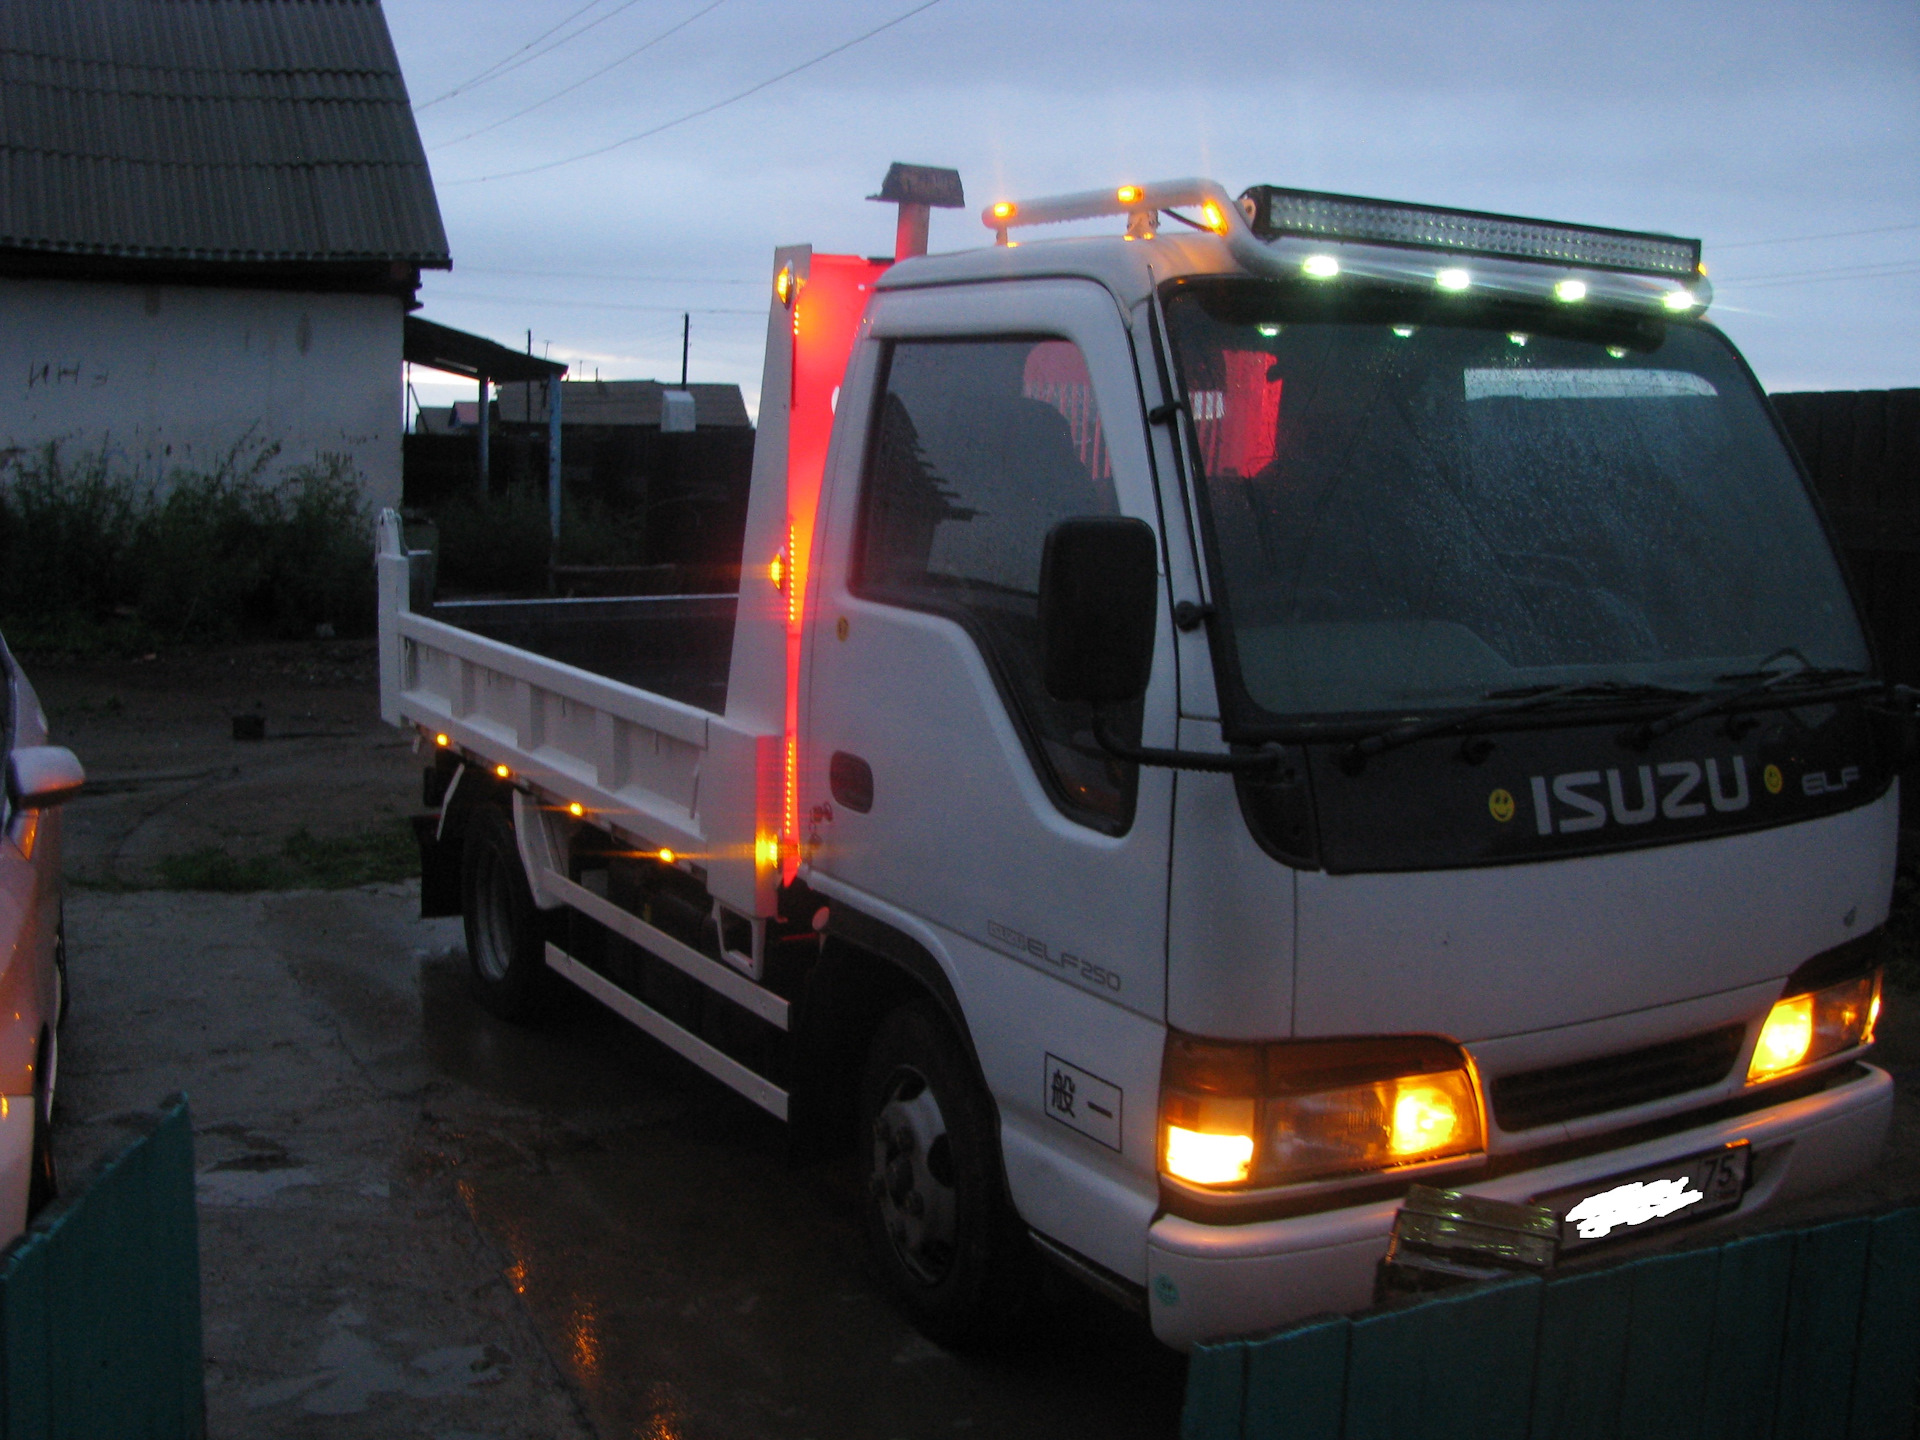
(1500, 806)
(1772, 779)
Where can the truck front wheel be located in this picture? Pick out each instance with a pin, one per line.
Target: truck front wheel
(937, 1216)
(506, 941)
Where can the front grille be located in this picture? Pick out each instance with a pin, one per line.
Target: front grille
(1615, 1082)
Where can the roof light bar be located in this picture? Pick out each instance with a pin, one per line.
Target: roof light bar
(1342, 239)
(1275, 212)
(1205, 195)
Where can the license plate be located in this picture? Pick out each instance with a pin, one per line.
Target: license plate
(1676, 1193)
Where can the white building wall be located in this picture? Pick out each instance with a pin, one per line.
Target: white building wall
(171, 377)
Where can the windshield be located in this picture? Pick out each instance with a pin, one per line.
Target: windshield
(1411, 515)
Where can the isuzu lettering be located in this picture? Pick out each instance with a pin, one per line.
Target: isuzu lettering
(1219, 722)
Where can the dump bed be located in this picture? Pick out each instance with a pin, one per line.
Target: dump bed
(655, 767)
(678, 646)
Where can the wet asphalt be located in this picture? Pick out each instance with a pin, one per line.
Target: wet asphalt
(416, 1220)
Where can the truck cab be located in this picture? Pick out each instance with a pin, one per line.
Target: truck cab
(1232, 719)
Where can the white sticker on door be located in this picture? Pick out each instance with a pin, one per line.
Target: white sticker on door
(1085, 1102)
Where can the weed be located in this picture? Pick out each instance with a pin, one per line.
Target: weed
(94, 559)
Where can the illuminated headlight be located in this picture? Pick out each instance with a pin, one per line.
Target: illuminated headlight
(1248, 1115)
(1802, 1029)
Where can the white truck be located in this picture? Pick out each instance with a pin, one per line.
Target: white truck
(1218, 723)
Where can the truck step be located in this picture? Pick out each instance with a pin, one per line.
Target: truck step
(757, 1088)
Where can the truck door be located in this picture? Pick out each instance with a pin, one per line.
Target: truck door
(940, 785)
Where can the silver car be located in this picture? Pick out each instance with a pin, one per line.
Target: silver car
(33, 961)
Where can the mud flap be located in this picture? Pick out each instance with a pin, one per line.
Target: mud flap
(439, 868)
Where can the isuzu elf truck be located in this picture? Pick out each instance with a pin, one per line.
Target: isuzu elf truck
(1220, 721)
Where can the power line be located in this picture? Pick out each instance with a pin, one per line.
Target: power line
(569, 89)
(511, 62)
(704, 109)
(1797, 239)
(1815, 277)
(439, 294)
(1867, 267)
(621, 279)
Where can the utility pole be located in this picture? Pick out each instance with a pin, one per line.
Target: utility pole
(686, 334)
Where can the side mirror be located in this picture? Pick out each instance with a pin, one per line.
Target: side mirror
(42, 776)
(1099, 597)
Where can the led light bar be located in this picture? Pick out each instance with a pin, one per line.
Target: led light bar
(1273, 213)
(1305, 236)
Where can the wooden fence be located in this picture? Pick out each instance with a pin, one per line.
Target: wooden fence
(1862, 448)
(100, 1302)
(1799, 1335)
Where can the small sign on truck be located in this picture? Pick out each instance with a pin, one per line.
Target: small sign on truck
(1219, 723)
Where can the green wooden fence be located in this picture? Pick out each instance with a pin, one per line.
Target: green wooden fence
(1798, 1335)
(100, 1302)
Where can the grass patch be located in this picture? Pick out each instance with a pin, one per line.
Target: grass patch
(384, 853)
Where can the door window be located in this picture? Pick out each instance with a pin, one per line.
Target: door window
(979, 448)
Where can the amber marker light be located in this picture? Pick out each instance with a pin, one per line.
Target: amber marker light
(783, 285)
(442, 741)
(777, 570)
(1213, 217)
(666, 857)
(1784, 1039)
(502, 771)
(1126, 195)
(1005, 210)
(766, 851)
(576, 809)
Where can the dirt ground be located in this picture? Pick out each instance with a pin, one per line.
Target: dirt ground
(418, 1221)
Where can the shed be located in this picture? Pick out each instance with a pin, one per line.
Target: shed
(213, 218)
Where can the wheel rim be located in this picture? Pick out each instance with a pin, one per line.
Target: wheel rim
(493, 932)
(913, 1177)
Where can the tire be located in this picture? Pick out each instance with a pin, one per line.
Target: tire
(937, 1216)
(43, 1183)
(506, 933)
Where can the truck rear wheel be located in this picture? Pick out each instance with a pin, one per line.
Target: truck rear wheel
(937, 1216)
(506, 939)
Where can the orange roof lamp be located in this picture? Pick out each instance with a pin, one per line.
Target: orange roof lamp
(917, 189)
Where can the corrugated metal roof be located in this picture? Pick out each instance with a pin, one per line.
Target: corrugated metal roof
(245, 130)
(619, 402)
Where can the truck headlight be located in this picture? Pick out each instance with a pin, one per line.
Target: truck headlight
(1801, 1029)
(1276, 1113)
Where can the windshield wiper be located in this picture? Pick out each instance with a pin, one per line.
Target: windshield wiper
(1505, 702)
(1759, 681)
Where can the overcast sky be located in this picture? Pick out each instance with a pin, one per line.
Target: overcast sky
(1753, 126)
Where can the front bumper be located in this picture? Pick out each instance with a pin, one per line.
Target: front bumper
(1209, 1282)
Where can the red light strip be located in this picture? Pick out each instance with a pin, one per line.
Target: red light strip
(833, 299)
